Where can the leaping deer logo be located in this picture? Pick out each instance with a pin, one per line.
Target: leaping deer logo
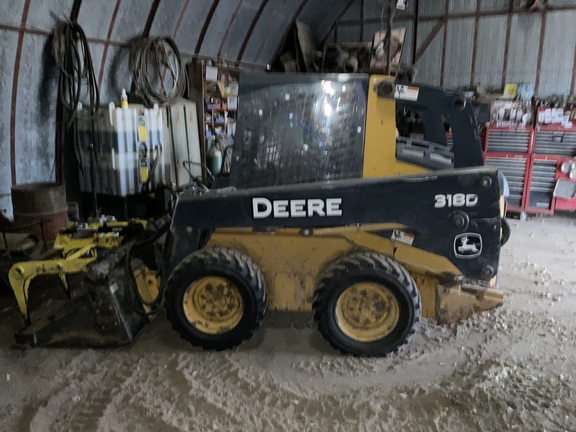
(467, 247)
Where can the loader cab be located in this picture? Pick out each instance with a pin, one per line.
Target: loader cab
(307, 128)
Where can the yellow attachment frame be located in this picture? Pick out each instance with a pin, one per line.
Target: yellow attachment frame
(21, 274)
(148, 283)
(72, 255)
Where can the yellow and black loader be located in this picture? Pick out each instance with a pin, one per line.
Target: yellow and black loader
(369, 230)
(345, 198)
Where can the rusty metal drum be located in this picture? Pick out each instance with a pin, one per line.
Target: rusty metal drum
(40, 202)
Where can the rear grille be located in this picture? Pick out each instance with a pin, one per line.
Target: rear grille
(515, 171)
(556, 143)
(542, 184)
(508, 141)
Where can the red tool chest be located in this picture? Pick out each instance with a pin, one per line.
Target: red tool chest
(531, 158)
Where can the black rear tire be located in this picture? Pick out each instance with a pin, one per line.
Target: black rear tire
(227, 264)
(367, 267)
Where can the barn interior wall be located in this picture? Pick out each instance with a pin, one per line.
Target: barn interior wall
(244, 32)
(485, 42)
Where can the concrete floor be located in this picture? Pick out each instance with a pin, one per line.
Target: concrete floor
(510, 369)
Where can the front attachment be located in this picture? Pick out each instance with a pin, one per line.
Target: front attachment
(103, 309)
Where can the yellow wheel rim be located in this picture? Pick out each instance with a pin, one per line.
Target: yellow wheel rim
(213, 305)
(367, 312)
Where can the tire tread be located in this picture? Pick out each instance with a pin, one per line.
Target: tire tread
(223, 257)
(360, 261)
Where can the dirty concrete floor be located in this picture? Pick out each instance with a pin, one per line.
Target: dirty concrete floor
(510, 369)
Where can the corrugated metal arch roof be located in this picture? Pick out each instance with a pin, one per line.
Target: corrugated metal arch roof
(248, 32)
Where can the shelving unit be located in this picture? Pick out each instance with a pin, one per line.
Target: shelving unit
(228, 117)
(214, 88)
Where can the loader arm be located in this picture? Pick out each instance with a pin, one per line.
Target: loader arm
(436, 105)
(454, 214)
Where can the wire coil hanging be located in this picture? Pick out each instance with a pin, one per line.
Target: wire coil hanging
(155, 62)
(71, 53)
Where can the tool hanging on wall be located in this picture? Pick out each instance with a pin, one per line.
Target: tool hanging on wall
(72, 55)
(77, 81)
(161, 55)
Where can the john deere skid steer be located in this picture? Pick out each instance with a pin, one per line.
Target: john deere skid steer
(336, 214)
(345, 198)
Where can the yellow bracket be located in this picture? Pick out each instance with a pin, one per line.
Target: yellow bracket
(148, 283)
(75, 255)
(22, 274)
(66, 244)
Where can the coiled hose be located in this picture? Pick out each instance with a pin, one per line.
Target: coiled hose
(154, 62)
(71, 52)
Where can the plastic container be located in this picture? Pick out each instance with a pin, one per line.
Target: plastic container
(182, 141)
(126, 148)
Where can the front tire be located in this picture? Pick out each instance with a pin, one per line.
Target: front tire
(367, 304)
(216, 298)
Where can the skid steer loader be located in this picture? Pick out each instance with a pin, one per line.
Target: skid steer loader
(345, 199)
(340, 216)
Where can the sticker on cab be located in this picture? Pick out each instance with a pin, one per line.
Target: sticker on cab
(406, 92)
(403, 237)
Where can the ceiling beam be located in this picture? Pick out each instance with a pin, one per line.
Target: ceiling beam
(288, 28)
(150, 20)
(107, 43)
(498, 13)
(204, 30)
(336, 22)
(251, 30)
(444, 39)
(475, 43)
(221, 47)
(429, 39)
(507, 41)
(540, 52)
(180, 18)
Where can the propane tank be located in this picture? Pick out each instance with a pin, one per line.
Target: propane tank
(214, 159)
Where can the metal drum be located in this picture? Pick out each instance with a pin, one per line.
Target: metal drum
(40, 202)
